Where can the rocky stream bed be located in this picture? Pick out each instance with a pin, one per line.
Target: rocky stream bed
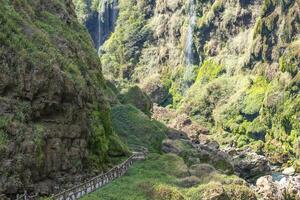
(269, 182)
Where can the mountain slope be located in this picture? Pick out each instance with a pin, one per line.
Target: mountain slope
(232, 66)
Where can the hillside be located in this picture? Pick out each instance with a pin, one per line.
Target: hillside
(231, 66)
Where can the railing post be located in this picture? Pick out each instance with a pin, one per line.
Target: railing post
(25, 195)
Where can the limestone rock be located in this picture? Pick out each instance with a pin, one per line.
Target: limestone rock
(289, 171)
(201, 170)
(189, 181)
(216, 192)
(268, 189)
(287, 187)
(250, 165)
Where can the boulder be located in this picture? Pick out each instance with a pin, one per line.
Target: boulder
(176, 134)
(155, 89)
(215, 192)
(250, 165)
(289, 171)
(267, 189)
(136, 97)
(201, 170)
(216, 157)
(189, 181)
(170, 146)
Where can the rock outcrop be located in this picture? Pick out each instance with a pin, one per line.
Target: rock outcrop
(274, 188)
(250, 166)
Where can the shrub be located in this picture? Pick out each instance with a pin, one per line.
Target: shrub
(136, 97)
(209, 71)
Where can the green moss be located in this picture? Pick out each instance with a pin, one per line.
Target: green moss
(39, 142)
(176, 94)
(209, 71)
(239, 192)
(204, 191)
(258, 28)
(163, 192)
(136, 97)
(290, 60)
(98, 139)
(255, 96)
(117, 147)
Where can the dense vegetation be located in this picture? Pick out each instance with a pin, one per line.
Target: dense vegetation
(54, 116)
(229, 70)
(244, 84)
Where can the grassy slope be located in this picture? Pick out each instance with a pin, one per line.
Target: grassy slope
(136, 128)
(158, 178)
(130, 186)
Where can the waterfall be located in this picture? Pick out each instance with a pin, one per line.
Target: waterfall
(106, 19)
(189, 54)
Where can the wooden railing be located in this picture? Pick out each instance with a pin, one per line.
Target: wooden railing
(94, 183)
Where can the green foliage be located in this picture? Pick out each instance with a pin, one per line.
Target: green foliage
(140, 181)
(163, 192)
(255, 96)
(208, 17)
(203, 99)
(98, 139)
(4, 122)
(176, 95)
(209, 71)
(122, 50)
(258, 28)
(156, 178)
(136, 97)
(290, 60)
(268, 7)
(39, 141)
(117, 147)
(136, 128)
(23, 111)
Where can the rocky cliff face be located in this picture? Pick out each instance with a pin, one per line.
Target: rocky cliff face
(54, 117)
(243, 83)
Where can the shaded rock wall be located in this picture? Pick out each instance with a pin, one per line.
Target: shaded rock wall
(54, 117)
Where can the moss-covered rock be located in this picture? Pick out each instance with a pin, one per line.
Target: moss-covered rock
(54, 115)
(136, 97)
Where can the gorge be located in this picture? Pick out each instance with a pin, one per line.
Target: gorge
(211, 88)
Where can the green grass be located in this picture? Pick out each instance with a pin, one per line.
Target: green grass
(136, 128)
(157, 178)
(157, 170)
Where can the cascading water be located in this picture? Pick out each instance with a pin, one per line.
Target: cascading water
(189, 54)
(102, 23)
(107, 17)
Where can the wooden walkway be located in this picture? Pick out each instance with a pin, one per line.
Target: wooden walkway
(94, 183)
